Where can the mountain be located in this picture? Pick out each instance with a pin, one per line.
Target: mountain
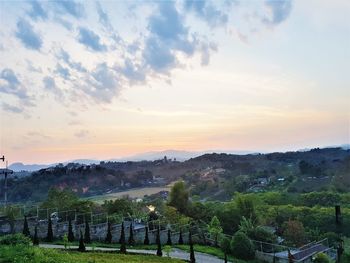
(27, 167)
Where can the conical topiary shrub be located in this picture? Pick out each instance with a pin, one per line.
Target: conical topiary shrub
(81, 243)
(122, 249)
(87, 238)
(131, 240)
(146, 241)
(26, 231)
(181, 241)
(49, 236)
(192, 257)
(35, 238)
(109, 234)
(159, 245)
(168, 242)
(70, 231)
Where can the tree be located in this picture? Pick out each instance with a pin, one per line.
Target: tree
(109, 234)
(146, 241)
(192, 257)
(294, 232)
(131, 240)
(81, 243)
(26, 231)
(246, 207)
(178, 197)
(49, 236)
(122, 249)
(215, 229)
(168, 242)
(35, 238)
(159, 245)
(181, 241)
(70, 232)
(225, 246)
(242, 247)
(87, 238)
(322, 258)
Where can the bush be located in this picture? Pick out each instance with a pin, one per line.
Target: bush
(15, 239)
(321, 258)
(242, 247)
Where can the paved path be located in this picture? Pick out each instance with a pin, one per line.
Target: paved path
(175, 253)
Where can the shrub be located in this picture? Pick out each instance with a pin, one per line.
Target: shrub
(81, 243)
(146, 241)
(242, 247)
(87, 238)
(15, 239)
(159, 245)
(322, 258)
(168, 242)
(131, 240)
(122, 249)
(49, 237)
(181, 241)
(109, 234)
(35, 238)
(70, 231)
(26, 231)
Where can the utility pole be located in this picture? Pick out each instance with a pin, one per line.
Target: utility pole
(5, 172)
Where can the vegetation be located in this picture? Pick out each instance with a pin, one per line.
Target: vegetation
(49, 236)
(146, 240)
(159, 245)
(35, 238)
(26, 231)
(70, 231)
(108, 238)
(122, 249)
(242, 247)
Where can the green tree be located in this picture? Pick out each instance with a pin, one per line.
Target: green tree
(192, 257)
(215, 229)
(246, 207)
(122, 249)
(225, 245)
(87, 238)
(108, 238)
(49, 236)
(322, 258)
(26, 231)
(81, 243)
(294, 232)
(131, 240)
(181, 241)
(178, 197)
(146, 240)
(242, 247)
(70, 231)
(35, 238)
(159, 245)
(168, 242)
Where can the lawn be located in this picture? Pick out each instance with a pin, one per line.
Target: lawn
(24, 254)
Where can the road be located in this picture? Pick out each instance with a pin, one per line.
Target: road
(175, 253)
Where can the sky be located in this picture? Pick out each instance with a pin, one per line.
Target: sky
(108, 79)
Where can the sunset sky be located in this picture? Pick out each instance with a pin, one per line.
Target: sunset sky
(114, 78)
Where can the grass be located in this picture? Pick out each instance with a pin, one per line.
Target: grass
(28, 254)
(214, 251)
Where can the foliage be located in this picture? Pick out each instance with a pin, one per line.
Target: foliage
(181, 241)
(242, 247)
(294, 232)
(168, 242)
(65, 241)
(322, 258)
(87, 238)
(15, 239)
(178, 197)
(131, 240)
(26, 231)
(122, 249)
(49, 236)
(108, 238)
(35, 238)
(81, 243)
(215, 229)
(70, 231)
(159, 245)
(167, 250)
(146, 240)
(121, 206)
(192, 257)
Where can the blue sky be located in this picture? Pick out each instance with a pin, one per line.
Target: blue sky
(102, 79)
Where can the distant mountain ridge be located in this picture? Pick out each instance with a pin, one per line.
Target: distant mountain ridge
(147, 156)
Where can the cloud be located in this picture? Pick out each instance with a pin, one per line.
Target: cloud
(101, 84)
(11, 108)
(28, 37)
(50, 85)
(37, 11)
(64, 56)
(82, 134)
(32, 68)
(62, 71)
(206, 10)
(9, 84)
(278, 11)
(134, 73)
(70, 7)
(90, 39)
